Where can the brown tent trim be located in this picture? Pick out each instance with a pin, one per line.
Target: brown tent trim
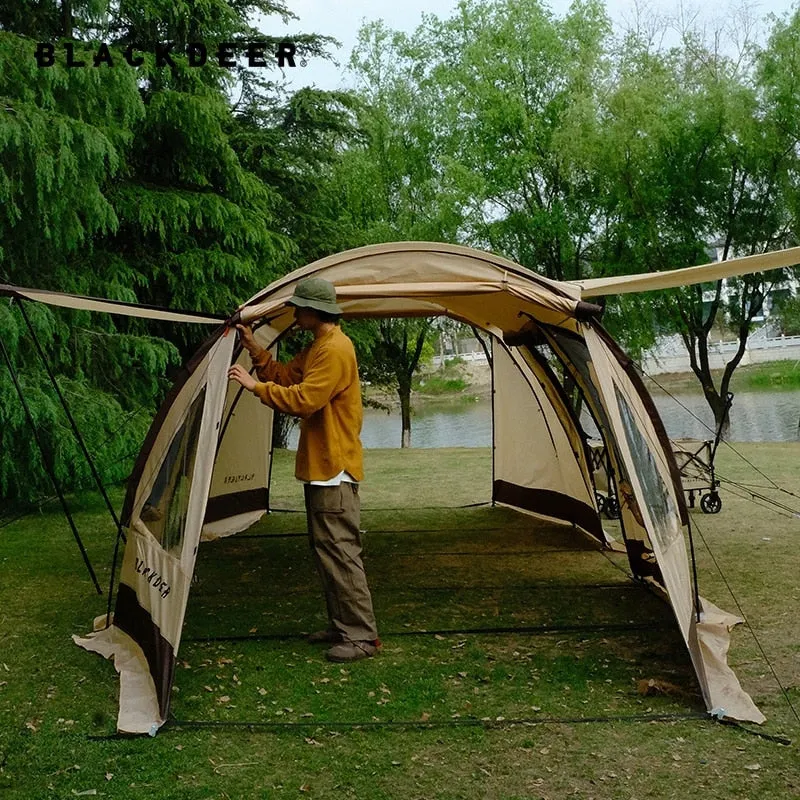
(230, 505)
(134, 620)
(550, 504)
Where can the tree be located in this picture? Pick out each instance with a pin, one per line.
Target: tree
(387, 187)
(515, 94)
(390, 353)
(122, 182)
(698, 163)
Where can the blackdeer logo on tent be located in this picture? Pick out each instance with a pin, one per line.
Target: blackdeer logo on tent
(152, 577)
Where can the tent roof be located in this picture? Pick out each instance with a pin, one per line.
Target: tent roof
(427, 278)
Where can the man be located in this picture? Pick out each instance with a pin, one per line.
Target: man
(321, 386)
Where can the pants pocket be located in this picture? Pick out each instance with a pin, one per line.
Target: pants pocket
(325, 499)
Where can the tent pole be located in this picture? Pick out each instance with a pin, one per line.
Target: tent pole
(494, 410)
(697, 609)
(113, 574)
(73, 424)
(48, 466)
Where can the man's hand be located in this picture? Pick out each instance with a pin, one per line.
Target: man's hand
(239, 374)
(248, 340)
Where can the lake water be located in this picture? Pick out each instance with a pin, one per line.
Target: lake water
(755, 417)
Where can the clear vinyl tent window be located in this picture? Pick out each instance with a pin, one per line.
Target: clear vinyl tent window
(662, 508)
(164, 513)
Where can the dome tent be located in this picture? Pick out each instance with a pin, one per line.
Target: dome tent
(196, 476)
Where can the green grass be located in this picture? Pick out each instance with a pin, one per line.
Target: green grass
(774, 375)
(436, 570)
(436, 385)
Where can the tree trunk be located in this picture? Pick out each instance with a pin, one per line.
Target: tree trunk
(66, 19)
(404, 392)
(282, 427)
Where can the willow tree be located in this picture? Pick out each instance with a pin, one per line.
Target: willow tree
(121, 182)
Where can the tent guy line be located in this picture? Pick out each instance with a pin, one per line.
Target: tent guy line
(749, 627)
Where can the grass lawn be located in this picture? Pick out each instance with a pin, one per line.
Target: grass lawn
(514, 658)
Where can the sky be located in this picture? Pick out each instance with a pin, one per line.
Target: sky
(343, 18)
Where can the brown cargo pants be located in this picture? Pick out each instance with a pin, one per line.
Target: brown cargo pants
(334, 519)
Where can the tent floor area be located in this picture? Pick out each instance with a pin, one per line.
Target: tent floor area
(483, 612)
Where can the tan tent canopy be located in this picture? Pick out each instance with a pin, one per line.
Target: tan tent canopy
(705, 273)
(192, 467)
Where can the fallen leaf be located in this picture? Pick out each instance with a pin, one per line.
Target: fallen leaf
(262, 691)
(425, 716)
(109, 775)
(752, 767)
(306, 787)
(224, 699)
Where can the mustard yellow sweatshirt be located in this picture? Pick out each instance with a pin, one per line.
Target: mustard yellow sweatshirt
(321, 386)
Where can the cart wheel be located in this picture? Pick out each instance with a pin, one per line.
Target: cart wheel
(711, 503)
(612, 508)
(601, 502)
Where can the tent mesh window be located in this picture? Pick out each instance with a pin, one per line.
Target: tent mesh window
(165, 510)
(574, 355)
(659, 501)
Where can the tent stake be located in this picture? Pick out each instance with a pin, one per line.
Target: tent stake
(73, 424)
(48, 466)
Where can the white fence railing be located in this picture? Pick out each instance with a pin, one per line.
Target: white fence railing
(477, 355)
(670, 355)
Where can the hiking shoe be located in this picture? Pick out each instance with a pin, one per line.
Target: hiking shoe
(351, 651)
(324, 637)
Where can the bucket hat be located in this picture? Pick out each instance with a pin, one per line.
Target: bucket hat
(315, 293)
